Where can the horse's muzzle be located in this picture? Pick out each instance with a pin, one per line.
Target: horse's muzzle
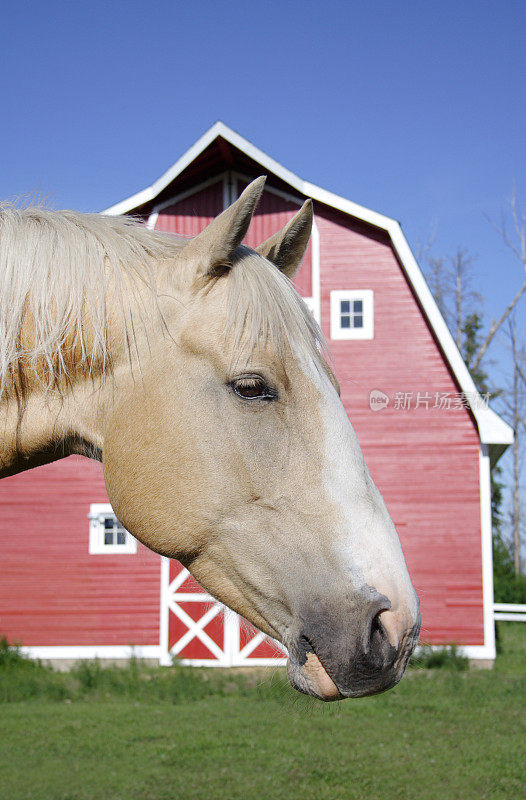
(331, 661)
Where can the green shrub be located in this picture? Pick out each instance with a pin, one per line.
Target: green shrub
(9, 653)
(507, 586)
(23, 678)
(447, 657)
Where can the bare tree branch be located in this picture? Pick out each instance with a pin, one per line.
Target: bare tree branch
(521, 373)
(517, 246)
(515, 405)
(496, 325)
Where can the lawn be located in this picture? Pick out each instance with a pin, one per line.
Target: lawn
(165, 734)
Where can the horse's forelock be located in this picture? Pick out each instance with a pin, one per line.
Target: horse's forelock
(264, 310)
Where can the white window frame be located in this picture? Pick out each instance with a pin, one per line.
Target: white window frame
(97, 514)
(365, 332)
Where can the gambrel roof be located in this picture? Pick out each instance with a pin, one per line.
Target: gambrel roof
(493, 431)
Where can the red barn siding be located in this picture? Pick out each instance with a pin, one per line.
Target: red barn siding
(425, 462)
(188, 217)
(272, 214)
(52, 592)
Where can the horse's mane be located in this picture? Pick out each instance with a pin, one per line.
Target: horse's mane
(55, 271)
(56, 268)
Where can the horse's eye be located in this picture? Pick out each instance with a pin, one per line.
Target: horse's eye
(253, 387)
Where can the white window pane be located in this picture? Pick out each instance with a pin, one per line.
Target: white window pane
(352, 314)
(106, 534)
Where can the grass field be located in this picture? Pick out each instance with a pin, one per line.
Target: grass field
(166, 734)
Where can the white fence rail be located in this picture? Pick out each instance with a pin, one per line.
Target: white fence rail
(509, 612)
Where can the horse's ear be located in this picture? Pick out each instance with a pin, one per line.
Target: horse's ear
(214, 246)
(287, 247)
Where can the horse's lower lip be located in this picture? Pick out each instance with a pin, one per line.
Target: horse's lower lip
(312, 678)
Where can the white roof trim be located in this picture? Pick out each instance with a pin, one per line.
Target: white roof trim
(492, 429)
(161, 183)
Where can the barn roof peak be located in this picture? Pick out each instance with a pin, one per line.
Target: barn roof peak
(221, 131)
(493, 431)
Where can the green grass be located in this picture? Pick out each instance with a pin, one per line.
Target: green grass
(131, 735)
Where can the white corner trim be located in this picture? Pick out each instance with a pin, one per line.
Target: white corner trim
(472, 651)
(487, 549)
(492, 429)
(254, 662)
(80, 652)
(164, 611)
(152, 220)
(367, 329)
(151, 192)
(297, 199)
(316, 273)
(226, 192)
(477, 651)
(91, 651)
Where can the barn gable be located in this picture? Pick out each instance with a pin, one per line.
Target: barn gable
(359, 258)
(221, 147)
(429, 458)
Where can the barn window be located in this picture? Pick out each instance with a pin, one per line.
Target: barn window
(352, 314)
(106, 534)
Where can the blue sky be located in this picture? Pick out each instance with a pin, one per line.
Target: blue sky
(413, 109)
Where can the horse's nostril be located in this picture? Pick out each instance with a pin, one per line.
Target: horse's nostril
(377, 631)
(378, 649)
(379, 637)
(373, 632)
(304, 647)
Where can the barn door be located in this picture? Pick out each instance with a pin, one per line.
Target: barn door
(196, 629)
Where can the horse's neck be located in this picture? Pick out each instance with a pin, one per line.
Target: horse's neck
(39, 425)
(47, 425)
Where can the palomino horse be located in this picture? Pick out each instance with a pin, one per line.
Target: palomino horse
(193, 370)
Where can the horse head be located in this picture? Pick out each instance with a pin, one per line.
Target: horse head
(234, 454)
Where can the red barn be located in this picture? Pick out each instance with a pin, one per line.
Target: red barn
(75, 584)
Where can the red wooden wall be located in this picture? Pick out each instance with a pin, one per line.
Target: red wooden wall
(272, 213)
(425, 463)
(190, 215)
(52, 592)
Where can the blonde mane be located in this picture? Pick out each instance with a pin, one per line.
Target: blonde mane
(55, 271)
(56, 268)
